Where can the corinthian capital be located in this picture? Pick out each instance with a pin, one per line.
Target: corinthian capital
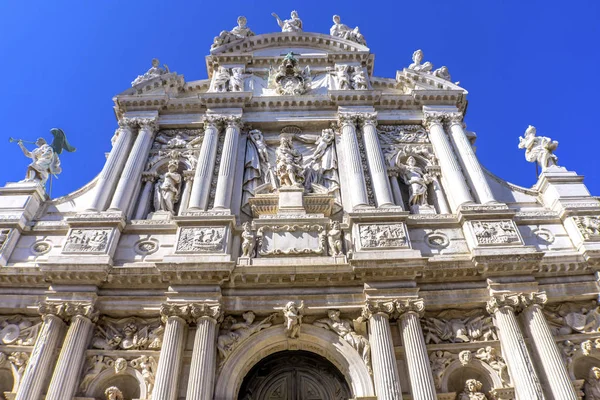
(127, 123)
(213, 120)
(210, 311)
(169, 310)
(233, 121)
(371, 308)
(367, 119)
(149, 124)
(455, 118)
(416, 306)
(67, 310)
(498, 302)
(434, 117)
(347, 118)
(534, 298)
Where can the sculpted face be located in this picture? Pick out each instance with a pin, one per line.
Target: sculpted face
(596, 372)
(120, 365)
(418, 56)
(155, 62)
(294, 14)
(40, 142)
(241, 21)
(249, 317)
(411, 161)
(336, 19)
(334, 315)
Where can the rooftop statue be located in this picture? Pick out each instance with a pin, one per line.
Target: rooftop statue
(417, 58)
(343, 31)
(241, 31)
(294, 24)
(538, 148)
(44, 158)
(443, 73)
(153, 72)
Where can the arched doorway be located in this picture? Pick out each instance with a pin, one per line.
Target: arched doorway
(294, 375)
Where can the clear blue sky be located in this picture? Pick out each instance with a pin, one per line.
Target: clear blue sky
(523, 62)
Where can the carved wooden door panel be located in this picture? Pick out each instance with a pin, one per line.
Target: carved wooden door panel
(294, 375)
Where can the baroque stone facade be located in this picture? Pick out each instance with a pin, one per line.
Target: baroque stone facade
(295, 227)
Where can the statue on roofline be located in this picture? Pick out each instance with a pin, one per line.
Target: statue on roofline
(241, 31)
(44, 158)
(343, 31)
(294, 24)
(153, 72)
(538, 149)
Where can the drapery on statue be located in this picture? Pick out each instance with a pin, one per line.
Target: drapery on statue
(417, 58)
(592, 384)
(248, 240)
(44, 158)
(241, 31)
(417, 181)
(334, 239)
(168, 188)
(294, 24)
(293, 318)
(343, 31)
(472, 391)
(113, 393)
(538, 148)
(289, 164)
(153, 72)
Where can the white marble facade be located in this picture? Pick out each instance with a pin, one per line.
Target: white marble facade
(295, 204)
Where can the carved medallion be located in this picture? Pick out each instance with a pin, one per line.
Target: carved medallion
(41, 247)
(146, 247)
(206, 239)
(437, 240)
(544, 236)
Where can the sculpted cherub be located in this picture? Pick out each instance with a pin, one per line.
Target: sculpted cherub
(293, 318)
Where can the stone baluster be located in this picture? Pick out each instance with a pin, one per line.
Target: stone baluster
(135, 164)
(169, 363)
(385, 369)
(227, 167)
(188, 179)
(353, 165)
(452, 176)
(205, 165)
(468, 160)
(553, 371)
(114, 165)
(39, 366)
(377, 167)
(396, 191)
(439, 198)
(520, 367)
(204, 356)
(68, 367)
(422, 386)
(143, 205)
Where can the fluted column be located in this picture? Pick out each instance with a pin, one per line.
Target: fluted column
(554, 373)
(454, 181)
(205, 164)
(142, 207)
(227, 167)
(379, 176)
(353, 165)
(383, 359)
(520, 367)
(114, 165)
(65, 379)
(422, 386)
(135, 164)
(204, 356)
(188, 179)
(169, 362)
(439, 198)
(396, 191)
(39, 366)
(468, 160)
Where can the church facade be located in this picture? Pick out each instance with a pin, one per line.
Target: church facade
(296, 228)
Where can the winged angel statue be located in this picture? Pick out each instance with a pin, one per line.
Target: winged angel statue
(44, 158)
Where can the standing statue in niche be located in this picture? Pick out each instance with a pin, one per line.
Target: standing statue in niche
(360, 79)
(343, 31)
(294, 24)
(220, 81)
(236, 82)
(334, 239)
(289, 164)
(472, 391)
(321, 174)
(168, 188)
(113, 393)
(248, 240)
(592, 385)
(44, 158)
(538, 148)
(416, 65)
(343, 77)
(257, 170)
(417, 181)
(293, 315)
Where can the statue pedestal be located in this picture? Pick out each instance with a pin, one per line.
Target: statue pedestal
(422, 209)
(161, 216)
(290, 200)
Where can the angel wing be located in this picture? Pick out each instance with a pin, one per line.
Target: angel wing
(60, 143)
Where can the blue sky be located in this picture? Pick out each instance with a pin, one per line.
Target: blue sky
(523, 62)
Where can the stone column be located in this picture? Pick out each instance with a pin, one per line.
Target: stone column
(422, 386)
(135, 164)
(377, 167)
(396, 191)
(114, 165)
(520, 367)
(227, 167)
(206, 164)
(65, 379)
(554, 373)
(468, 160)
(188, 179)
(142, 208)
(169, 362)
(454, 181)
(353, 165)
(385, 369)
(39, 366)
(439, 197)
(204, 357)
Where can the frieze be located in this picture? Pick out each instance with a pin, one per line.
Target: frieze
(19, 330)
(234, 332)
(459, 326)
(571, 318)
(391, 134)
(491, 233)
(209, 239)
(128, 334)
(382, 236)
(589, 227)
(17, 361)
(87, 240)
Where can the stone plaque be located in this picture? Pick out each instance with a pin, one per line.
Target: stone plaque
(87, 240)
(205, 239)
(494, 233)
(295, 239)
(382, 236)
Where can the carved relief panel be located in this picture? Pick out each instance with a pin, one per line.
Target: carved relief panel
(378, 236)
(495, 233)
(88, 240)
(204, 239)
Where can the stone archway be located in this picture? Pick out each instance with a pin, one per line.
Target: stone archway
(314, 340)
(294, 375)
